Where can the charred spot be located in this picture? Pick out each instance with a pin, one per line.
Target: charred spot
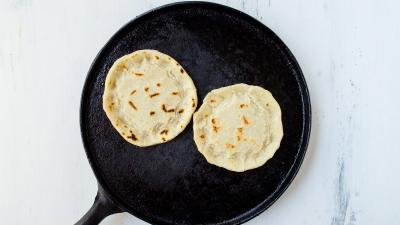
(202, 136)
(243, 105)
(152, 113)
(158, 85)
(164, 108)
(212, 100)
(181, 111)
(175, 93)
(213, 121)
(132, 105)
(154, 95)
(132, 136)
(146, 89)
(165, 131)
(245, 120)
(163, 138)
(215, 128)
(193, 103)
(182, 70)
(138, 74)
(133, 92)
(157, 57)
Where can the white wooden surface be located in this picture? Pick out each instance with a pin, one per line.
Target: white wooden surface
(349, 52)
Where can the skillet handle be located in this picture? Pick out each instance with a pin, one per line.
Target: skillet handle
(101, 208)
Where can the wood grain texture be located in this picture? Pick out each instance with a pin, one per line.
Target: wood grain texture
(348, 52)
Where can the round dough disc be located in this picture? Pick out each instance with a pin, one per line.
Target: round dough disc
(238, 127)
(148, 97)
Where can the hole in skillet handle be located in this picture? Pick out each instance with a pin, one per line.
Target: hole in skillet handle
(101, 208)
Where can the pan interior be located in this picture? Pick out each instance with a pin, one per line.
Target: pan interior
(172, 183)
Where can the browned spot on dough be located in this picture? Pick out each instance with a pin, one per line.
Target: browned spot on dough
(146, 89)
(132, 105)
(133, 92)
(215, 128)
(212, 100)
(177, 64)
(169, 58)
(157, 57)
(123, 133)
(110, 107)
(164, 108)
(205, 115)
(158, 84)
(165, 131)
(181, 126)
(152, 113)
(123, 67)
(181, 111)
(267, 104)
(175, 93)
(133, 136)
(245, 120)
(227, 145)
(243, 105)
(163, 138)
(213, 121)
(240, 134)
(193, 103)
(154, 95)
(138, 74)
(181, 70)
(125, 126)
(202, 136)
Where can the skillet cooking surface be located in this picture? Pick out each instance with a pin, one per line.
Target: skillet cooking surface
(172, 183)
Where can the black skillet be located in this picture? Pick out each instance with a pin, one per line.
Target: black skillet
(172, 183)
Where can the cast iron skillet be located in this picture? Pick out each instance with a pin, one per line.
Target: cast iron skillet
(172, 183)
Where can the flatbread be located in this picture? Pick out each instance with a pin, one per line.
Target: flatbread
(238, 127)
(148, 97)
